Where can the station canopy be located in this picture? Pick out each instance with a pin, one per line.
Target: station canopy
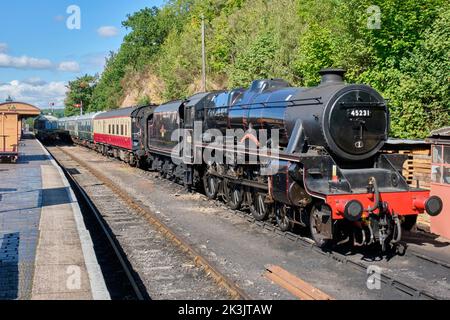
(24, 110)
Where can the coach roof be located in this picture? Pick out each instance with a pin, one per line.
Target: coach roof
(117, 113)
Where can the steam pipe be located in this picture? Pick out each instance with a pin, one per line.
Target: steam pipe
(372, 237)
(363, 239)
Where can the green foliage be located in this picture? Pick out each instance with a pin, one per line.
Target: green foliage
(109, 88)
(80, 91)
(421, 101)
(255, 62)
(149, 28)
(144, 101)
(406, 59)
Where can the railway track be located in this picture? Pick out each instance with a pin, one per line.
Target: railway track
(101, 233)
(307, 243)
(353, 261)
(201, 262)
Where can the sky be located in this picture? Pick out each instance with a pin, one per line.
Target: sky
(46, 43)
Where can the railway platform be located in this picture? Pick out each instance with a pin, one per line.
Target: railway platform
(46, 252)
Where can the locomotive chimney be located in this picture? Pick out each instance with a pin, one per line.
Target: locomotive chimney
(332, 76)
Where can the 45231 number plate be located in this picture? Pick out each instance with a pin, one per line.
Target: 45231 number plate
(359, 113)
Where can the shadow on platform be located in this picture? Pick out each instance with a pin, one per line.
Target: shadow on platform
(9, 267)
(55, 197)
(25, 159)
(422, 238)
(50, 197)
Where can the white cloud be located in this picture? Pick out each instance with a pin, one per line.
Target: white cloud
(3, 47)
(24, 62)
(30, 63)
(40, 93)
(35, 81)
(107, 31)
(69, 66)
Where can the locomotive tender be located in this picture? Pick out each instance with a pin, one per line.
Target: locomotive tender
(328, 173)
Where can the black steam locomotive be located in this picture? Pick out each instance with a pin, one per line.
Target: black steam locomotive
(305, 156)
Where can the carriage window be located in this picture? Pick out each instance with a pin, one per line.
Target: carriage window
(126, 129)
(121, 129)
(117, 129)
(109, 129)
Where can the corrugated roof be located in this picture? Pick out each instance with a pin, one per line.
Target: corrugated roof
(442, 132)
(393, 141)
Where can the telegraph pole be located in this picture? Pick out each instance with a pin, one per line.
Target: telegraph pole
(203, 55)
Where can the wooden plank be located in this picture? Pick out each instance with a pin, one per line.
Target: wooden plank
(295, 285)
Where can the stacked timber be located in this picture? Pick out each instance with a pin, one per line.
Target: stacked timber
(417, 169)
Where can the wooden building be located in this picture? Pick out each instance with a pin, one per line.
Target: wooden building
(11, 119)
(440, 179)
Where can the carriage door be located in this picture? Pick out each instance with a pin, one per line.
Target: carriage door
(188, 135)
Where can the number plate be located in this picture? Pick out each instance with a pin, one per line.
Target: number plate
(359, 113)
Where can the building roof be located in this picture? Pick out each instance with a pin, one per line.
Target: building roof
(442, 132)
(441, 135)
(396, 142)
(23, 109)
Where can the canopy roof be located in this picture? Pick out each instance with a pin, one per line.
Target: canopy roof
(23, 109)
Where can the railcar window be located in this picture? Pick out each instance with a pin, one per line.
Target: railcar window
(126, 129)
(117, 129)
(121, 129)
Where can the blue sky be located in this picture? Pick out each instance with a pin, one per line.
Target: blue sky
(39, 54)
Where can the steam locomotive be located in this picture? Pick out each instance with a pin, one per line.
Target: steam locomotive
(322, 169)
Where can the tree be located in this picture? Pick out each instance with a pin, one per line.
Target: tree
(406, 59)
(80, 91)
(421, 100)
